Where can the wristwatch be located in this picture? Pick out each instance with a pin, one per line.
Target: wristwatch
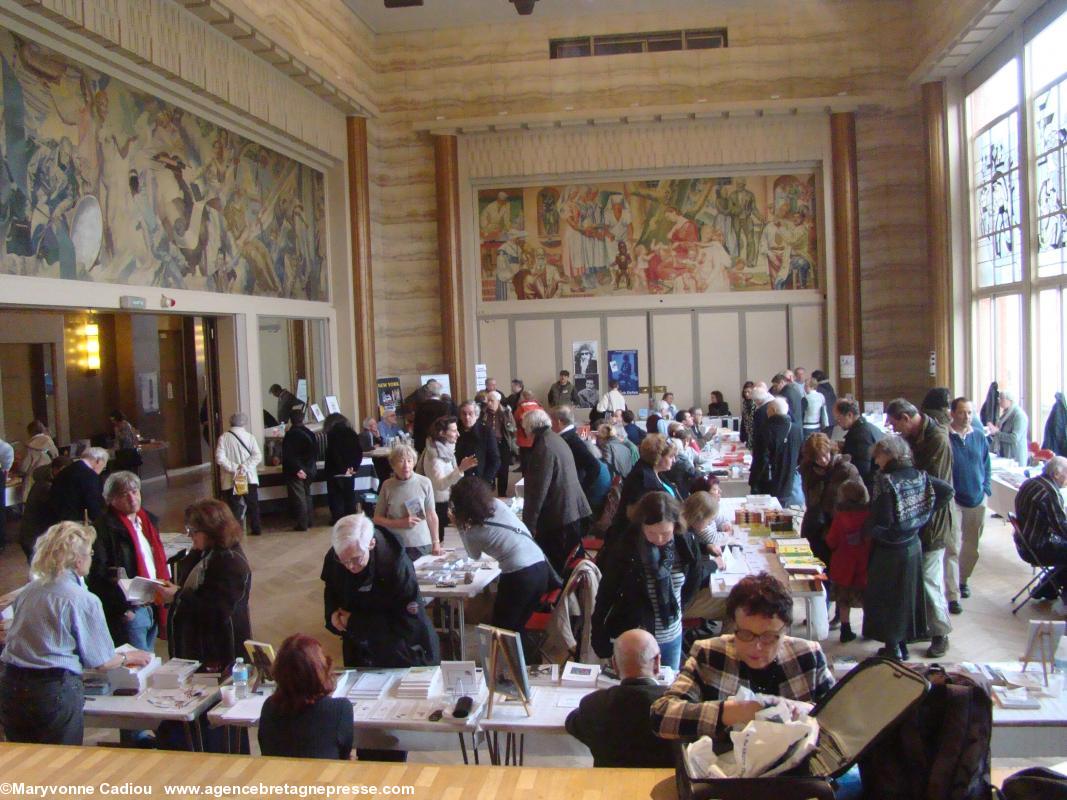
(123, 664)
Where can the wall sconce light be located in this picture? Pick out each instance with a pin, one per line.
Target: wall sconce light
(90, 333)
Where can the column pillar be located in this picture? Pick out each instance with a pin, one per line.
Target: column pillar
(938, 262)
(453, 339)
(362, 286)
(846, 250)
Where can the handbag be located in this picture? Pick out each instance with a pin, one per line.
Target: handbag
(240, 479)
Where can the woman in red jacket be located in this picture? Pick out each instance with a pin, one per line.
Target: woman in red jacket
(851, 550)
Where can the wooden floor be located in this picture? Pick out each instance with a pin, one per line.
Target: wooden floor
(287, 598)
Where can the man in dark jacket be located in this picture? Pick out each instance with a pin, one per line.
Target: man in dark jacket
(586, 464)
(430, 409)
(372, 599)
(615, 723)
(1056, 427)
(633, 432)
(127, 539)
(1043, 521)
(300, 456)
(554, 508)
(76, 493)
(344, 457)
(860, 437)
(287, 403)
(758, 443)
(825, 388)
(783, 440)
(475, 439)
(563, 391)
(794, 395)
(933, 454)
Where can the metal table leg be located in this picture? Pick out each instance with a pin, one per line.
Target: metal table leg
(474, 747)
(189, 737)
(462, 629)
(522, 748)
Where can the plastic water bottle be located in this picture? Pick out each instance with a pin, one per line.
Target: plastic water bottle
(240, 678)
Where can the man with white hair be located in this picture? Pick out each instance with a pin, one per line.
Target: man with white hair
(554, 506)
(615, 723)
(762, 397)
(1010, 435)
(1043, 523)
(238, 453)
(782, 441)
(372, 599)
(76, 493)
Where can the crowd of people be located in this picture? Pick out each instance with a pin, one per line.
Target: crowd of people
(897, 518)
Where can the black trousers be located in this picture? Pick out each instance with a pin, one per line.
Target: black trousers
(41, 706)
(517, 596)
(300, 502)
(244, 504)
(341, 496)
(442, 519)
(557, 543)
(504, 472)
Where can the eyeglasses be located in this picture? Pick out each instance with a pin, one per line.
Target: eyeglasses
(769, 638)
(358, 561)
(190, 530)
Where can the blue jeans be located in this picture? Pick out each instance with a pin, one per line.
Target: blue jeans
(143, 628)
(670, 653)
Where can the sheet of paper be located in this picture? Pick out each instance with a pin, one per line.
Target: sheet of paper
(568, 701)
(249, 708)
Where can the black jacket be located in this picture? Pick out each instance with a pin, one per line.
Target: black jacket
(36, 513)
(343, 450)
(321, 730)
(641, 480)
(381, 631)
(113, 549)
(990, 410)
(480, 442)
(783, 438)
(622, 601)
(425, 414)
(211, 623)
(76, 490)
(758, 445)
(1056, 427)
(635, 434)
(826, 389)
(794, 395)
(859, 440)
(300, 451)
(616, 727)
(719, 409)
(587, 465)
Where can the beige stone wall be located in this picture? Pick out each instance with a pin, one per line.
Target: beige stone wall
(937, 24)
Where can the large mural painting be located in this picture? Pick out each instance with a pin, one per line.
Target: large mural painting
(672, 236)
(102, 182)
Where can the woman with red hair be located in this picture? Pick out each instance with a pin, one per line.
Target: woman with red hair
(301, 719)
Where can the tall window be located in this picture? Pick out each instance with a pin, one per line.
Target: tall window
(1018, 192)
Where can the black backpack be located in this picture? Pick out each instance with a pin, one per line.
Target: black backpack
(1035, 783)
(941, 749)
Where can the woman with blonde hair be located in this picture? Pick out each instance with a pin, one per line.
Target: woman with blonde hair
(59, 629)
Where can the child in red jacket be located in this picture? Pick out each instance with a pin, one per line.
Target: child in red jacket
(851, 550)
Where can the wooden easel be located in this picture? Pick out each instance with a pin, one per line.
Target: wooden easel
(1042, 641)
(498, 650)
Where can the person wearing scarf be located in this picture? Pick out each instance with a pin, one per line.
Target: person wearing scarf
(648, 575)
(128, 545)
(438, 463)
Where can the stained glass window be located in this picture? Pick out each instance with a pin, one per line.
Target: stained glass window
(998, 240)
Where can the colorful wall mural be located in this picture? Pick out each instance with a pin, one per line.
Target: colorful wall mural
(671, 236)
(102, 182)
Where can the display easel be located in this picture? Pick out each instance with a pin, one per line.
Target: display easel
(1041, 646)
(498, 650)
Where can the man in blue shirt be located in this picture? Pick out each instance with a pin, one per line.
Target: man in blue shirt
(971, 476)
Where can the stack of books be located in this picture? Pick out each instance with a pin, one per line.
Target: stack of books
(420, 683)
(175, 674)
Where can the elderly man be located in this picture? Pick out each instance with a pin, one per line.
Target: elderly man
(238, 453)
(1043, 522)
(127, 545)
(476, 439)
(933, 454)
(1009, 436)
(372, 599)
(554, 506)
(971, 478)
(793, 393)
(860, 436)
(778, 464)
(563, 391)
(388, 426)
(76, 494)
(586, 463)
(614, 723)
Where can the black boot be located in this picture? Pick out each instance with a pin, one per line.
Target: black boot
(846, 633)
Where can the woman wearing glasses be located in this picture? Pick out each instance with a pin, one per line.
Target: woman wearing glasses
(759, 655)
(58, 630)
(209, 621)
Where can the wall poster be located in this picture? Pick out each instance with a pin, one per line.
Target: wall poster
(102, 182)
(586, 374)
(622, 367)
(670, 236)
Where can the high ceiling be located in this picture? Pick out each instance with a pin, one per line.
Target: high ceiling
(460, 13)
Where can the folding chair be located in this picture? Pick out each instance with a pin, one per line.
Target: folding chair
(1042, 572)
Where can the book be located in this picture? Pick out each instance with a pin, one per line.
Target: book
(579, 675)
(174, 674)
(1014, 698)
(140, 590)
(415, 508)
(130, 677)
(543, 674)
(419, 683)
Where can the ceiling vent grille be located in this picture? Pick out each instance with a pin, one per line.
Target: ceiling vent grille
(655, 42)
